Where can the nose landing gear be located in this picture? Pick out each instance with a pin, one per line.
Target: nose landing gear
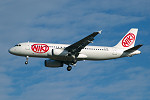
(26, 62)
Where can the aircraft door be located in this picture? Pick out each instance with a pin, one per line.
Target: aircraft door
(28, 47)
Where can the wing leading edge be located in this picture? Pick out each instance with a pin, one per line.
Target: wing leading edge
(75, 48)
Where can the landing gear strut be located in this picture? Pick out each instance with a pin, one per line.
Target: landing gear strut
(69, 68)
(26, 62)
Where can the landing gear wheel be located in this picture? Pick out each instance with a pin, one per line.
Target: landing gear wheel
(26, 62)
(69, 68)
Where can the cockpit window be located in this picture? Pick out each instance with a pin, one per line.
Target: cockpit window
(18, 45)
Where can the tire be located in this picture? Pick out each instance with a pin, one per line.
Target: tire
(26, 62)
(69, 68)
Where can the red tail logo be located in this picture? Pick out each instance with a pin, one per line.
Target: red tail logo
(128, 40)
(40, 48)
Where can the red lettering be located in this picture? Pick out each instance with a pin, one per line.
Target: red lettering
(39, 48)
(128, 40)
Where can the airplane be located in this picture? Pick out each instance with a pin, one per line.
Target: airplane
(60, 54)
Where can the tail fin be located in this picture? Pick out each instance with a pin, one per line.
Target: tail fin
(128, 40)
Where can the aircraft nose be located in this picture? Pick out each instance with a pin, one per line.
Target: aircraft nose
(11, 50)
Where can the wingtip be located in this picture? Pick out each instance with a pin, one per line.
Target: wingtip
(100, 31)
(141, 44)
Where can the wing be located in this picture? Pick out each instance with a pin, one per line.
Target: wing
(75, 48)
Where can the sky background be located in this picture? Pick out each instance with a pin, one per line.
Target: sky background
(67, 21)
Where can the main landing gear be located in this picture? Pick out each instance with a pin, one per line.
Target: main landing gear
(69, 68)
(70, 63)
(26, 62)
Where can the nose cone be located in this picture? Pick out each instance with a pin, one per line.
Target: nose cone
(12, 50)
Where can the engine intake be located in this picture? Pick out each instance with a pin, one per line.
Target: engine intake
(53, 63)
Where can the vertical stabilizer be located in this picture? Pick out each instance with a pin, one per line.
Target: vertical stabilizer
(128, 40)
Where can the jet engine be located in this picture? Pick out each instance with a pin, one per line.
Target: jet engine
(53, 63)
(59, 52)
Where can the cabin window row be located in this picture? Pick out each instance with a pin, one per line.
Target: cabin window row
(84, 48)
(56, 47)
(93, 49)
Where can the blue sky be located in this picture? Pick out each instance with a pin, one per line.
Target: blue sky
(67, 21)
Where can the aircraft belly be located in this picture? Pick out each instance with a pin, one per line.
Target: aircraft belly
(61, 58)
(30, 53)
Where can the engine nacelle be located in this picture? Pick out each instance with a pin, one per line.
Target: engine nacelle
(59, 52)
(53, 63)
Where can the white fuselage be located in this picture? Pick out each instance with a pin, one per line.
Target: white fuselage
(88, 53)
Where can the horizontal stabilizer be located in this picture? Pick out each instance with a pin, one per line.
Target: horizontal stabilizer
(134, 48)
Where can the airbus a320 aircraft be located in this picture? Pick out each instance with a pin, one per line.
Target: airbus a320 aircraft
(60, 54)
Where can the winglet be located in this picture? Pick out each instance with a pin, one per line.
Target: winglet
(100, 31)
